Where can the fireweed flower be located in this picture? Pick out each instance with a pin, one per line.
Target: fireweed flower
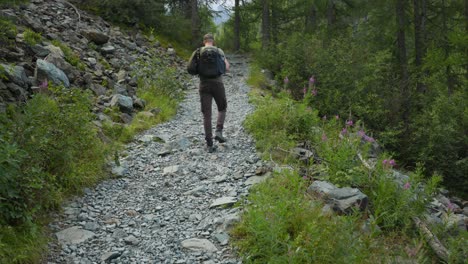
(450, 206)
(344, 131)
(406, 186)
(44, 84)
(384, 162)
(368, 139)
(349, 122)
(304, 91)
(312, 80)
(324, 137)
(314, 92)
(392, 162)
(361, 133)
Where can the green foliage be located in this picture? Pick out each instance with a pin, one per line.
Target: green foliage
(49, 149)
(7, 32)
(70, 56)
(32, 38)
(159, 86)
(280, 225)
(21, 244)
(278, 123)
(277, 219)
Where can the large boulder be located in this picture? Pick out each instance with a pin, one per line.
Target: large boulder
(124, 103)
(15, 74)
(46, 70)
(95, 36)
(342, 200)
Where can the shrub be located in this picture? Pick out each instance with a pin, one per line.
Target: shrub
(49, 149)
(280, 122)
(70, 56)
(7, 32)
(32, 38)
(280, 225)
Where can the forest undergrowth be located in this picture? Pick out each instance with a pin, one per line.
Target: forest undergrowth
(283, 224)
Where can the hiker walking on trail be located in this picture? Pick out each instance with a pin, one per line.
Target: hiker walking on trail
(209, 63)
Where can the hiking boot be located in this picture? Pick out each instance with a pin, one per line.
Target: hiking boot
(219, 136)
(211, 148)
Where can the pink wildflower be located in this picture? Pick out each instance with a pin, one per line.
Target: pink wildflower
(349, 122)
(312, 80)
(337, 117)
(314, 92)
(44, 84)
(392, 162)
(304, 91)
(324, 137)
(406, 186)
(384, 162)
(361, 133)
(344, 131)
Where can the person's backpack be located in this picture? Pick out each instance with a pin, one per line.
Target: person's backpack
(192, 68)
(211, 63)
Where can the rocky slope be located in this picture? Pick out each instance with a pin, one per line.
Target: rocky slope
(100, 57)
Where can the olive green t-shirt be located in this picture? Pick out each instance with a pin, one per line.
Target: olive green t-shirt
(220, 51)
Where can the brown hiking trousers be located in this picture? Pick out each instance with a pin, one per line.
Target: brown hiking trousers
(212, 89)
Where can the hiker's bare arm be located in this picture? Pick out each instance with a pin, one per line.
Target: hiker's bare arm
(227, 64)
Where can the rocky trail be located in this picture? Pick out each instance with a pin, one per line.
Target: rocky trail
(173, 201)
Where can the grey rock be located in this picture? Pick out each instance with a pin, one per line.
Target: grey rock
(222, 238)
(15, 74)
(139, 104)
(256, 180)
(120, 89)
(124, 103)
(92, 226)
(107, 257)
(131, 240)
(171, 170)
(109, 49)
(223, 201)
(96, 36)
(119, 171)
(74, 235)
(98, 89)
(146, 138)
(49, 71)
(196, 244)
(40, 51)
(19, 93)
(341, 199)
(126, 118)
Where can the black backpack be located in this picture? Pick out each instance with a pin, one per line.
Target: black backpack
(210, 63)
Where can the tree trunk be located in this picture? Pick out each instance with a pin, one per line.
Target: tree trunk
(331, 14)
(466, 32)
(402, 60)
(419, 42)
(311, 19)
(195, 24)
(236, 25)
(274, 23)
(448, 68)
(266, 24)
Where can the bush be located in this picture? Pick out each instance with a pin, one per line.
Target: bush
(7, 32)
(280, 122)
(49, 149)
(280, 225)
(32, 38)
(70, 56)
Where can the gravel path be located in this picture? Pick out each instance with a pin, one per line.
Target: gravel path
(166, 208)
